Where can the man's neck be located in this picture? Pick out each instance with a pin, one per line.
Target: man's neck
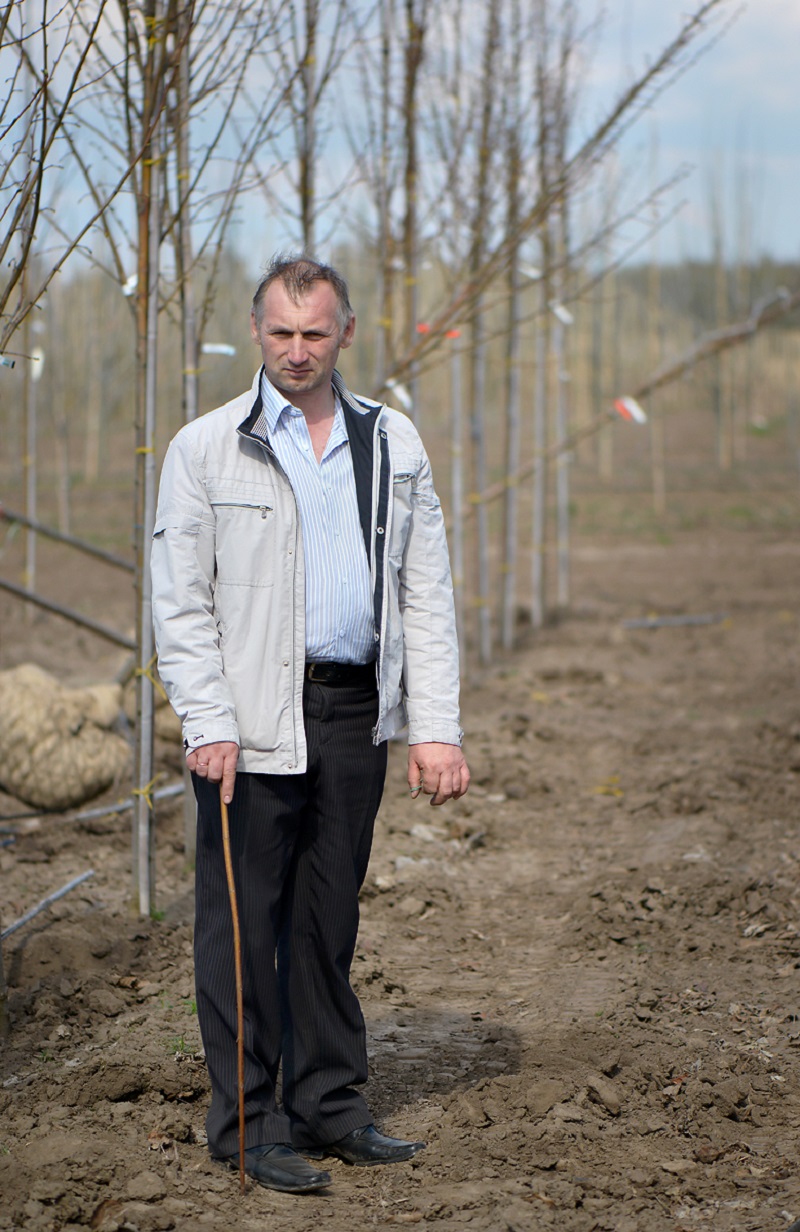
(318, 406)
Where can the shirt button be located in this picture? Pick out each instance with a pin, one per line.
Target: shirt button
(285, 662)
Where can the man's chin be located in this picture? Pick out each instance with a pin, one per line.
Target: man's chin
(289, 384)
(295, 380)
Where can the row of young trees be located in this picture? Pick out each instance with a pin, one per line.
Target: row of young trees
(449, 135)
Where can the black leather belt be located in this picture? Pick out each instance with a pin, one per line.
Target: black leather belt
(341, 674)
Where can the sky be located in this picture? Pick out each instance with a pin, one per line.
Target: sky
(730, 125)
(728, 129)
(733, 118)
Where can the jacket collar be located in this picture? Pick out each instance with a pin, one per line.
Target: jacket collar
(255, 424)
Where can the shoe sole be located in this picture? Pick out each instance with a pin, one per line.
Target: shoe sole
(355, 1163)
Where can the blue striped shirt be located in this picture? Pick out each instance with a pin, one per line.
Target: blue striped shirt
(339, 622)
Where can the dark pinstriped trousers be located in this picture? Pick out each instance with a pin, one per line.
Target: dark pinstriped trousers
(300, 847)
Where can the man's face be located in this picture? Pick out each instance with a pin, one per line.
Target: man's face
(300, 342)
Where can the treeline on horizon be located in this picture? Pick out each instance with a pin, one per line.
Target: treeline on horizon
(84, 330)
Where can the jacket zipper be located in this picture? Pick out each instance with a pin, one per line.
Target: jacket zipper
(264, 509)
(378, 436)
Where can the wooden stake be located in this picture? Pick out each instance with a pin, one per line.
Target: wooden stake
(237, 960)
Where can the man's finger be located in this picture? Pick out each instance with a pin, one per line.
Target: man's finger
(444, 789)
(415, 778)
(433, 787)
(460, 782)
(229, 778)
(452, 785)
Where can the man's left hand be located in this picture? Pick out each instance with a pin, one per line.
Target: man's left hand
(437, 769)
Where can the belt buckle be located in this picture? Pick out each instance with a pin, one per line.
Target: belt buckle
(310, 670)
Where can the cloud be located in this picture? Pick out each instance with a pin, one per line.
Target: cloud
(735, 109)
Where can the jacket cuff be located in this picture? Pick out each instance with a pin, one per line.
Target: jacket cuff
(439, 733)
(212, 733)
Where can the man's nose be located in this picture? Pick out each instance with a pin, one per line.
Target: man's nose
(297, 349)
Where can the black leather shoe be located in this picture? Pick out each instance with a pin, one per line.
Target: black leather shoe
(280, 1167)
(367, 1146)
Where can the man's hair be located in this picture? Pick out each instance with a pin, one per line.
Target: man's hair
(299, 274)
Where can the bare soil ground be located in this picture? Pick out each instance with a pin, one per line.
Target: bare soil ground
(580, 983)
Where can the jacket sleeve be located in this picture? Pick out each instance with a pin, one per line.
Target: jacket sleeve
(430, 640)
(182, 563)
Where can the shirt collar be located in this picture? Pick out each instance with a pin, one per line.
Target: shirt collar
(274, 404)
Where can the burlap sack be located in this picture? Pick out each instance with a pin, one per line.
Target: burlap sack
(56, 749)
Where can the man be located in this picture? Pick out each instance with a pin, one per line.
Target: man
(303, 612)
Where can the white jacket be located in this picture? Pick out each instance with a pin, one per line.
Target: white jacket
(228, 584)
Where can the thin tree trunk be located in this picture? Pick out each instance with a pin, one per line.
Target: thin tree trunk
(596, 352)
(457, 483)
(415, 42)
(480, 473)
(191, 358)
(561, 109)
(541, 383)
(143, 811)
(31, 466)
(614, 367)
(308, 139)
(480, 223)
(561, 427)
(94, 399)
(383, 334)
(513, 447)
(744, 289)
(513, 340)
(62, 448)
(720, 367)
(654, 351)
(149, 227)
(539, 484)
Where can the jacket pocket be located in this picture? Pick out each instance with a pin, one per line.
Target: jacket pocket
(244, 540)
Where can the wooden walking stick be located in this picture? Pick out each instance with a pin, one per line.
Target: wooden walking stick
(237, 960)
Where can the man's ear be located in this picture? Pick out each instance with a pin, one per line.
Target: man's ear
(254, 326)
(348, 333)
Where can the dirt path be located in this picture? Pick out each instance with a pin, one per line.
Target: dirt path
(580, 983)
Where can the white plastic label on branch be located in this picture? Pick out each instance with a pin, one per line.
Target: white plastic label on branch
(629, 409)
(218, 348)
(564, 315)
(401, 393)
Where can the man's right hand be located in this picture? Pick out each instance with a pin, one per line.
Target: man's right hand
(217, 763)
